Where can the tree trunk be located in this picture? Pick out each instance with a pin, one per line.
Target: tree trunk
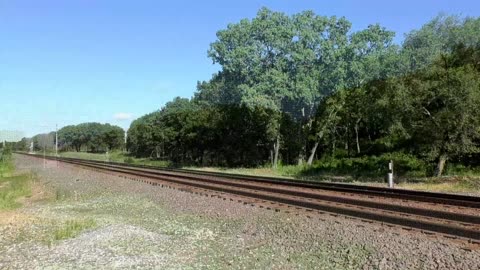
(356, 137)
(440, 165)
(271, 156)
(312, 154)
(300, 161)
(334, 147)
(276, 148)
(301, 157)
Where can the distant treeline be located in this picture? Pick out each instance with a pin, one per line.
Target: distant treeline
(91, 137)
(300, 88)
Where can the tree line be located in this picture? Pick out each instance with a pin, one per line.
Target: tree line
(91, 137)
(300, 88)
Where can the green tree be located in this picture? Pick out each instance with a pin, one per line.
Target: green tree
(94, 137)
(440, 106)
(422, 47)
(288, 64)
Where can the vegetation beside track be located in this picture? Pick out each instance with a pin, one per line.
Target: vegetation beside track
(115, 156)
(469, 184)
(13, 186)
(12, 189)
(73, 227)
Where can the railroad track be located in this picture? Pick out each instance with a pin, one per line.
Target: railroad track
(449, 215)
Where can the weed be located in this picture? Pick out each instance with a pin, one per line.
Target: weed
(72, 228)
(61, 194)
(129, 160)
(12, 188)
(6, 166)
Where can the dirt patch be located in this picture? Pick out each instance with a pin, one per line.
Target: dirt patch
(14, 218)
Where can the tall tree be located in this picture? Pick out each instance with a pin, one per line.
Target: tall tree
(440, 35)
(288, 64)
(440, 106)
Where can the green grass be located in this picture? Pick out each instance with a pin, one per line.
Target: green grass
(281, 171)
(72, 228)
(12, 188)
(115, 156)
(61, 194)
(447, 184)
(6, 167)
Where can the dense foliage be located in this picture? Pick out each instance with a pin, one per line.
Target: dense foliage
(186, 131)
(306, 87)
(92, 137)
(433, 113)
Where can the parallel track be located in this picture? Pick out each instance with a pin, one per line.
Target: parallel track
(430, 212)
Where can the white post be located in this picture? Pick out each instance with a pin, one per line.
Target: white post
(390, 174)
(56, 140)
(44, 149)
(125, 142)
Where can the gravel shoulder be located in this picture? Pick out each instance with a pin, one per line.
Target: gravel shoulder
(77, 218)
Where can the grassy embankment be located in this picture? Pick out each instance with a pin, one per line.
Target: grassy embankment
(16, 188)
(411, 173)
(12, 186)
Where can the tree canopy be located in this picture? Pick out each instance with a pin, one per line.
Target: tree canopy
(93, 137)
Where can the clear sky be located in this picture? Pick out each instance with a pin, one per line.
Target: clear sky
(76, 61)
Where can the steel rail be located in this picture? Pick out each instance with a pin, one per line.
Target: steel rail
(457, 217)
(405, 194)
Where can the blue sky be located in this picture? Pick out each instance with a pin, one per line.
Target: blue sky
(76, 61)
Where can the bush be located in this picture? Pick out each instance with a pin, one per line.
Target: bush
(73, 228)
(129, 160)
(372, 166)
(461, 170)
(14, 187)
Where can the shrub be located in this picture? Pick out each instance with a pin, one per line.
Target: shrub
(12, 188)
(129, 160)
(372, 166)
(461, 170)
(72, 228)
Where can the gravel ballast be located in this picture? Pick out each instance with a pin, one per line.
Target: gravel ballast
(136, 225)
